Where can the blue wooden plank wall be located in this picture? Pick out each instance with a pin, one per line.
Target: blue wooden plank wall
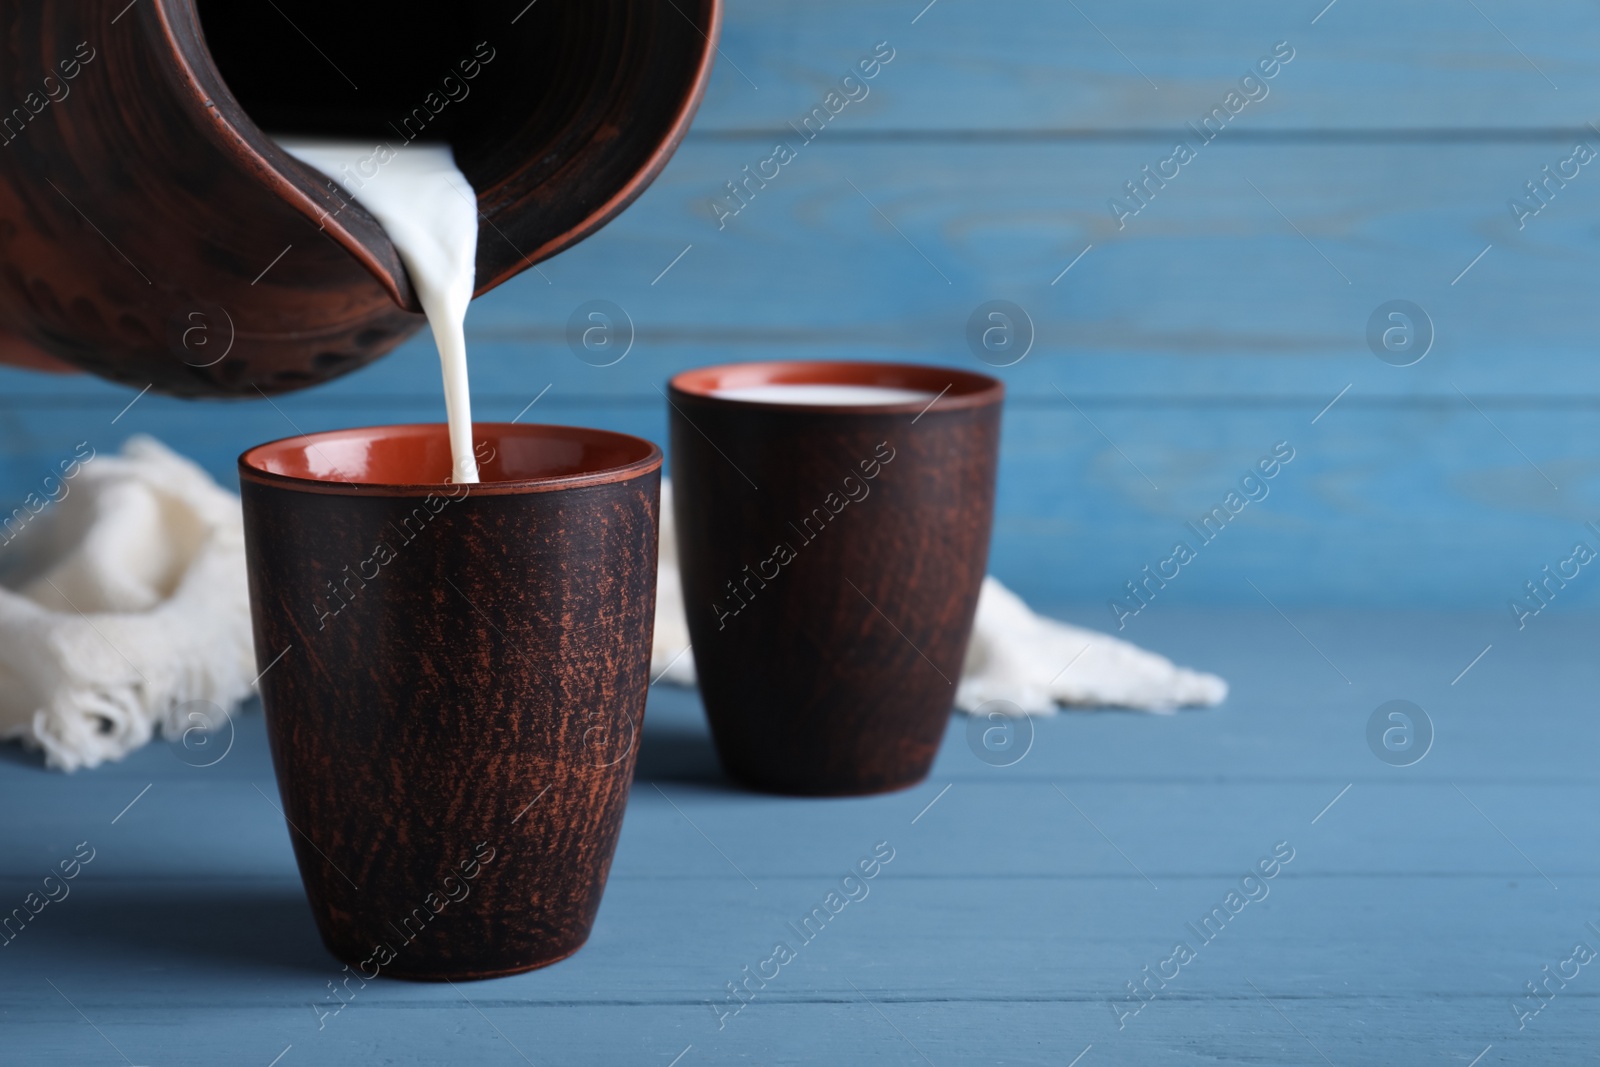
(1186, 339)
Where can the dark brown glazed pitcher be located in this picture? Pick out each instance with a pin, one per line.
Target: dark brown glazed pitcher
(455, 680)
(143, 210)
(831, 560)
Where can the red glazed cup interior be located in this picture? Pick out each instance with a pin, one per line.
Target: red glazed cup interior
(512, 457)
(951, 388)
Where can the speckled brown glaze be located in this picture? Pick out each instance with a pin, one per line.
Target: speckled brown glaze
(838, 672)
(147, 225)
(460, 719)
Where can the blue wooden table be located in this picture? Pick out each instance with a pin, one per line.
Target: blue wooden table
(1172, 346)
(1020, 901)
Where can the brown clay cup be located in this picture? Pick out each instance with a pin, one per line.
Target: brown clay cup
(831, 560)
(454, 679)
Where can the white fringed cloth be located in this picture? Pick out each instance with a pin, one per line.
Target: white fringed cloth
(123, 602)
(122, 599)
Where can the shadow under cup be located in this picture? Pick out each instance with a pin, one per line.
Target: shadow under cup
(832, 555)
(454, 682)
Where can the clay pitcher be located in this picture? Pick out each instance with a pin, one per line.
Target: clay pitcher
(151, 232)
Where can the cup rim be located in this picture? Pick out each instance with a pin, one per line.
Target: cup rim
(956, 389)
(649, 460)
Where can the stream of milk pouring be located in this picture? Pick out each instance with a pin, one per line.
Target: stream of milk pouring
(428, 208)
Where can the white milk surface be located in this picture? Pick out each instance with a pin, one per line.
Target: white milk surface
(428, 208)
(823, 394)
